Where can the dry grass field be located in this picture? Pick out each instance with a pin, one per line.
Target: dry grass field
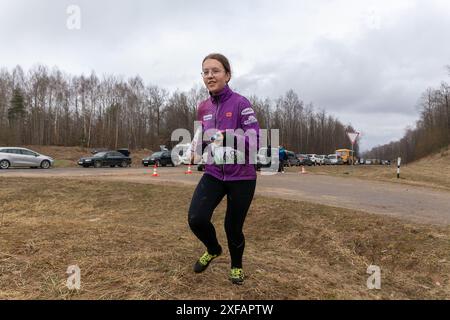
(132, 241)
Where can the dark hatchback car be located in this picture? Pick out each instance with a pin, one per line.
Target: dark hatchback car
(291, 160)
(106, 158)
(161, 158)
(304, 160)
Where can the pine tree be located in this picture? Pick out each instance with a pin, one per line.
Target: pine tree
(17, 109)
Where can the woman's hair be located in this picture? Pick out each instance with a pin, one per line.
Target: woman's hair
(222, 59)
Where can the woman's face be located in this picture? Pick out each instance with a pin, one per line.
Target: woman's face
(214, 75)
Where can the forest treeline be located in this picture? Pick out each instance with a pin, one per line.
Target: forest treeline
(50, 107)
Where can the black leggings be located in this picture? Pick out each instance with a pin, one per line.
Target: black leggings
(207, 196)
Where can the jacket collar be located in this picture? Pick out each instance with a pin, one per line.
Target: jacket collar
(222, 96)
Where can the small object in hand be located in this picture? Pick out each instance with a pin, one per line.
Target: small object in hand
(218, 138)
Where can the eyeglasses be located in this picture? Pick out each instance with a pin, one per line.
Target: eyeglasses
(213, 72)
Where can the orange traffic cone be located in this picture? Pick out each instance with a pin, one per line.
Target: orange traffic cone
(189, 171)
(303, 170)
(155, 174)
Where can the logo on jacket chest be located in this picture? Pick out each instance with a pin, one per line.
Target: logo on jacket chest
(228, 114)
(207, 117)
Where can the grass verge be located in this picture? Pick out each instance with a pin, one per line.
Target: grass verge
(132, 241)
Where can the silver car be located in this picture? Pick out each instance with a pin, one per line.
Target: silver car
(21, 157)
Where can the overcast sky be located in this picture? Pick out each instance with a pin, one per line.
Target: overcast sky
(365, 62)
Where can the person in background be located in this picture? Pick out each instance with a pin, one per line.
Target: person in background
(282, 154)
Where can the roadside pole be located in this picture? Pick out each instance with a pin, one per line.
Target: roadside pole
(398, 167)
(353, 155)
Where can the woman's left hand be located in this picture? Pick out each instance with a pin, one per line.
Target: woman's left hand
(218, 138)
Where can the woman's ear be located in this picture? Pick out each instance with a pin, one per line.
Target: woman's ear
(229, 77)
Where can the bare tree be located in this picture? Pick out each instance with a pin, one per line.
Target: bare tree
(87, 111)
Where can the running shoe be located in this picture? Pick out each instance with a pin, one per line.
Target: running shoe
(205, 260)
(237, 275)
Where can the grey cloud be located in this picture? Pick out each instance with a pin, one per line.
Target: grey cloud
(380, 75)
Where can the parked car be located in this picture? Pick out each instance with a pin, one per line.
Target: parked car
(22, 157)
(106, 158)
(313, 158)
(292, 159)
(125, 152)
(264, 157)
(320, 159)
(160, 158)
(386, 162)
(184, 157)
(304, 160)
(333, 159)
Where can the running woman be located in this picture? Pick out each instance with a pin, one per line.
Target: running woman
(230, 173)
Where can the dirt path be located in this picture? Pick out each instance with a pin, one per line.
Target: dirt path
(413, 203)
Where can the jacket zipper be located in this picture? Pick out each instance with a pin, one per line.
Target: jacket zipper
(217, 111)
(215, 125)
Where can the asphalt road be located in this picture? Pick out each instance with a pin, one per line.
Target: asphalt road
(417, 204)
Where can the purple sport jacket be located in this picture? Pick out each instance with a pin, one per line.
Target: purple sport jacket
(229, 110)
